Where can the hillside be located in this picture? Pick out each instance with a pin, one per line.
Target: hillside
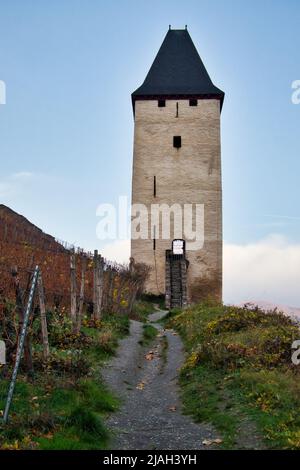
(15, 228)
(22, 246)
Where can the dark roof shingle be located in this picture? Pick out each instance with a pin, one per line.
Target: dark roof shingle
(177, 71)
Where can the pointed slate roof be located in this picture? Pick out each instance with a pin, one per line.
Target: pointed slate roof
(177, 72)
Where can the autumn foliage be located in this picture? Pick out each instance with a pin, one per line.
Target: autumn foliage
(23, 246)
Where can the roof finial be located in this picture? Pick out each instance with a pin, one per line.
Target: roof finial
(186, 27)
(169, 27)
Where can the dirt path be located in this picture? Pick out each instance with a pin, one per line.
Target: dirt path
(151, 417)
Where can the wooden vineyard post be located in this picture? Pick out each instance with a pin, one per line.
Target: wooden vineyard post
(21, 343)
(20, 308)
(73, 287)
(43, 316)
(95, 263)
(98, 285)
(120, 284)
(111, 284)
(101, 283)
(81, 297)
(105, 287)
(132, 296)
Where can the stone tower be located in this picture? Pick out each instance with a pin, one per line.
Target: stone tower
(177, 160)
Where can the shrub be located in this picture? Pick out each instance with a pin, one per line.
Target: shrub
(233, 337)
(236, 319)
(106, 341)
(69, 362)
(61, 332)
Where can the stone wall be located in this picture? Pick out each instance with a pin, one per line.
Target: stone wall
(191, 174)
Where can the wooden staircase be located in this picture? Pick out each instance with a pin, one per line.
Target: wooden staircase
(176, 280)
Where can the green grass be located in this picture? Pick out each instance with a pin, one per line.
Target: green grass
(204, 399)
(64, 408)
(146, 305)
(238, 370)
(97, 397)
(164, 353)
(82, 429)
(149, 333)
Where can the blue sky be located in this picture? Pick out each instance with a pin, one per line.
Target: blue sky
(66, 130)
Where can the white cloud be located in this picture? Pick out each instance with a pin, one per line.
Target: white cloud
(118, 251)
(267, 270)
(12, 185)
(22, 175)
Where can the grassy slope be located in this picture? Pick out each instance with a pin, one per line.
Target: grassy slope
(238, 369)
(64, 405)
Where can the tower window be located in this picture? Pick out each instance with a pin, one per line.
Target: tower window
(161, 103)
(193, 102)
(177, 141)
(154, 186)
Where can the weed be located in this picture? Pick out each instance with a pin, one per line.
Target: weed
(149, 333)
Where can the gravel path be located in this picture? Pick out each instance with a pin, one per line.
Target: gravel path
(151, 417)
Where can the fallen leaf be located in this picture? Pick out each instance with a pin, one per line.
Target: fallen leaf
(141, 386)
(206, 442)
(209, 442)
(172, 408)
(150, 356)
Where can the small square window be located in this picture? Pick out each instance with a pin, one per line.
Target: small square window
(161, 103)
(193, 102)
(177, 141)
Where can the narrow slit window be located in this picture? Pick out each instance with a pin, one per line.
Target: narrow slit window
(193, 102)
(154, 186)
(161, 103)
(154, 244)
(177, 141)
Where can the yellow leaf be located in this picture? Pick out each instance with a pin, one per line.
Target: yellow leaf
(141, 386)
